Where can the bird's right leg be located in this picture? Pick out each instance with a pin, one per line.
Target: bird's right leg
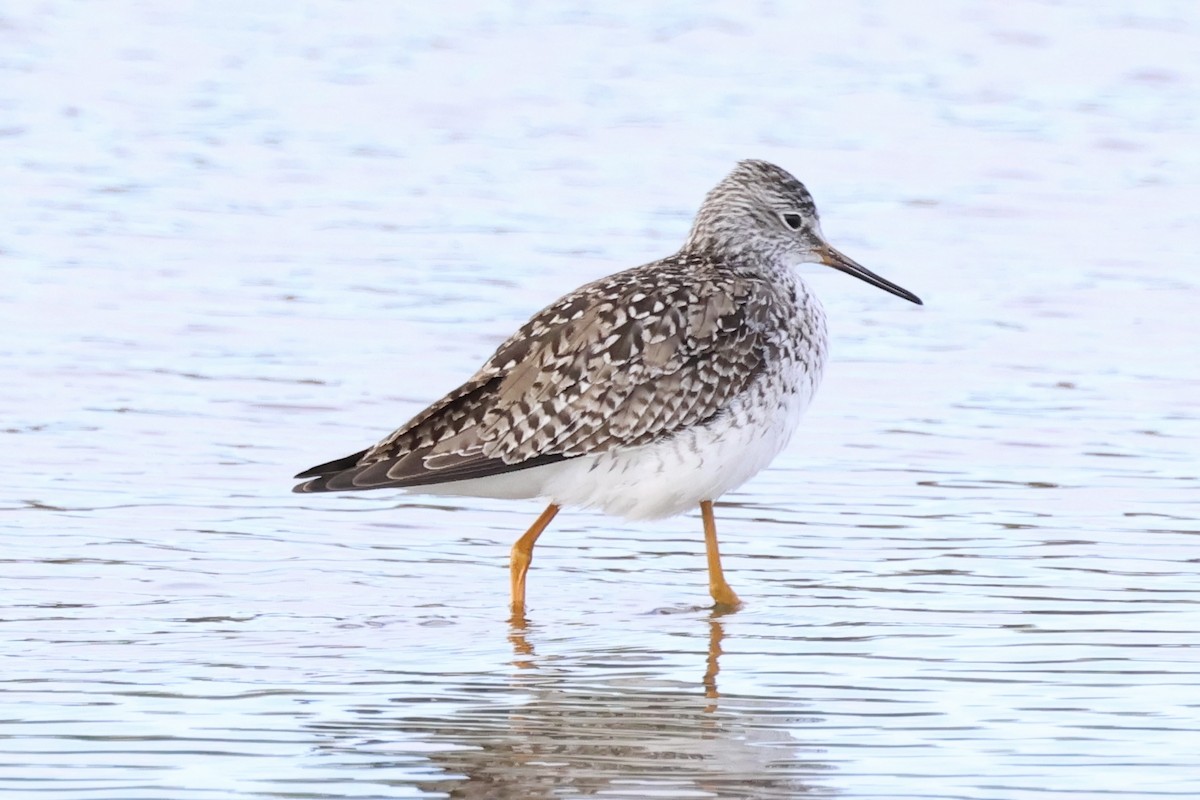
(522, 555)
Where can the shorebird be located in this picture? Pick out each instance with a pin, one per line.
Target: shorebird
(643, 394)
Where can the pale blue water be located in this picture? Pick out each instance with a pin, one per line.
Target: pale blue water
(240, 239)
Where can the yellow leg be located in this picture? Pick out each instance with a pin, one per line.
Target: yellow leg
(717, 587)
(522, 555)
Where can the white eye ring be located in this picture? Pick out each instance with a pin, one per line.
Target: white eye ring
(792, 220)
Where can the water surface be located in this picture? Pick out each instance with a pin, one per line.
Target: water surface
(240, 240)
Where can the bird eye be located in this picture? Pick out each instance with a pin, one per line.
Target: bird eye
(793, 221)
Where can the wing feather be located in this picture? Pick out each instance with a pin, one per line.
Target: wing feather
(619, 363)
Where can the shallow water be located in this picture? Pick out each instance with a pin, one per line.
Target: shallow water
(241, 240)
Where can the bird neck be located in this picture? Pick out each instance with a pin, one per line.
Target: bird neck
(734, 256)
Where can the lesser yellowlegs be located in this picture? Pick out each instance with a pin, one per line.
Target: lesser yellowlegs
(642, 394)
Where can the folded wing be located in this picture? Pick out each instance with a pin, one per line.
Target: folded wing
(619, 363)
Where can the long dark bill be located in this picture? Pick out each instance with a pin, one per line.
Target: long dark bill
(832, 258)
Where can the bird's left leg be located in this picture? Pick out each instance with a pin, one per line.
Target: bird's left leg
(717, 586)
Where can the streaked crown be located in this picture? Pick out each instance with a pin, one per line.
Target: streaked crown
(759, 211)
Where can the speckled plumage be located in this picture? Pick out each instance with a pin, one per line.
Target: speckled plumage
(644, 392)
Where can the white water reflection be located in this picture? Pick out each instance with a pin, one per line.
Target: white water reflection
(547, 731)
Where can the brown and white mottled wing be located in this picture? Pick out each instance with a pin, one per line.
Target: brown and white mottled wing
(621, 362)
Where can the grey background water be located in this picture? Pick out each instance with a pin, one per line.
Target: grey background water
(242, 238)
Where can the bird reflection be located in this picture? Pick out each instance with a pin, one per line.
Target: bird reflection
(716, 633)
(523, 655)
(586, 723)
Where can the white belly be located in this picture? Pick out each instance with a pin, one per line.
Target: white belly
(701, 463)
(672, 476)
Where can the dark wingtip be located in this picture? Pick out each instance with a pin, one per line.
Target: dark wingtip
(326, 470)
